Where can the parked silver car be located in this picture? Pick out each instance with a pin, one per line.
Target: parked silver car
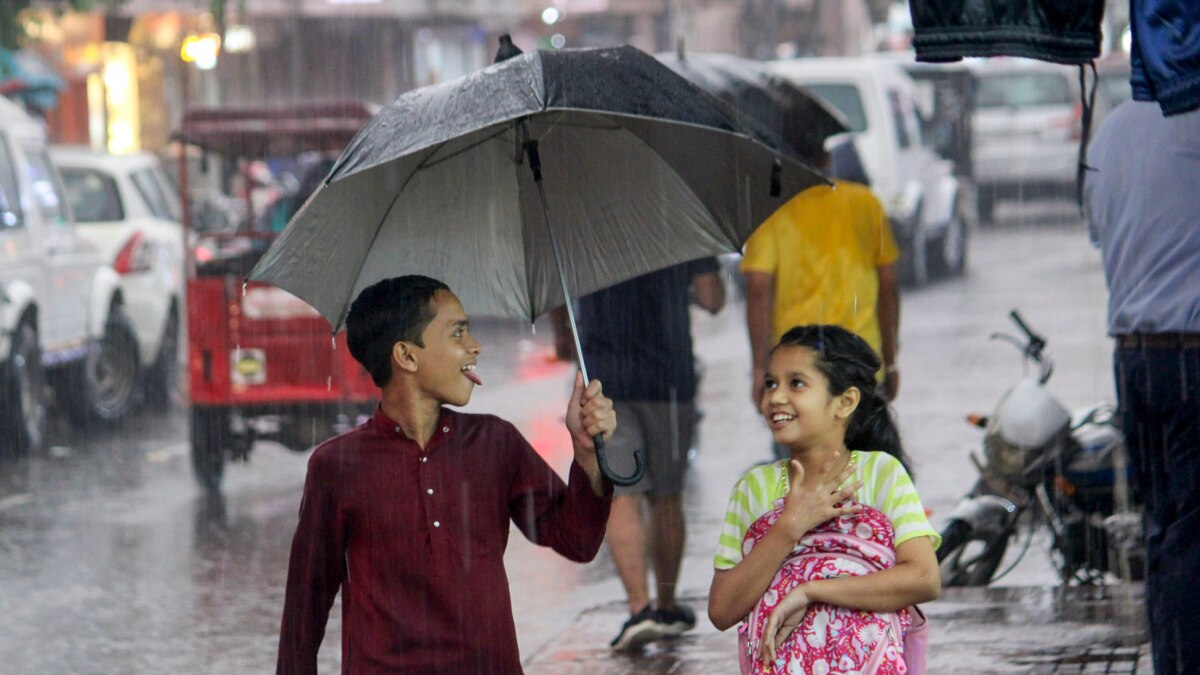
(1027, 128)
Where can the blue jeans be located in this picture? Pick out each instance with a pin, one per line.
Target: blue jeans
(1159, 392)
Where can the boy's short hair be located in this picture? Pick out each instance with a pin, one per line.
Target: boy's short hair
(390, 311)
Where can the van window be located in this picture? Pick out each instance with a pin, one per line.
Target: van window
(93, 195)
(1021, 90)
(10, 202)
(845, 98)
(46, 190)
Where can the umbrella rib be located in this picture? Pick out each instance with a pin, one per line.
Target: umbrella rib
(426, 164)
(379, 228)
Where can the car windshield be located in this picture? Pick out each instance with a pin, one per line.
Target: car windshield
(1021, 90)
(846, 99)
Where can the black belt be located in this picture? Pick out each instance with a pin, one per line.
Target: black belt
(1159, 341)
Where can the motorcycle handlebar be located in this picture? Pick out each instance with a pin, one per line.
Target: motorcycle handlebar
(1036, 342)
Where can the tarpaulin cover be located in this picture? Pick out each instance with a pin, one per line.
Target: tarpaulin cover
(1165, 57)
(1061, 31)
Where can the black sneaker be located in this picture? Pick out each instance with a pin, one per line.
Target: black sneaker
(641, 629)
(677, 620)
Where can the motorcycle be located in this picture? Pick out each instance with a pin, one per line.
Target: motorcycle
(1045, 469)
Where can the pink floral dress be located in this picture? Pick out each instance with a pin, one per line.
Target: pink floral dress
(829, 640)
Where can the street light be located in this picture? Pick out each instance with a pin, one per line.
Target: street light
(239, 38)
(201, 50)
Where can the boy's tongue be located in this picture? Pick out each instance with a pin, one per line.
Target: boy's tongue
(473, 377)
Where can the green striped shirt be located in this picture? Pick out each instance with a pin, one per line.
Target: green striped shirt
(886, 487)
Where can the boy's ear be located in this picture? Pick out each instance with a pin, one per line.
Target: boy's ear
(404, 357)
(847, 402)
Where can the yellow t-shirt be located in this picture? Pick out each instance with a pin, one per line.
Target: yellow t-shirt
(824, 247)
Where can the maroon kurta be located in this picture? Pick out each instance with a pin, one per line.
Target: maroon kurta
(416, 542)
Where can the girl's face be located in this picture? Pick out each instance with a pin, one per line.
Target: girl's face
(797, 404)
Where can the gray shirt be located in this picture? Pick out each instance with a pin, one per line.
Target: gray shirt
(1143, 211)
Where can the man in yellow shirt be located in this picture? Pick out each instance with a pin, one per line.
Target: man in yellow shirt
(826, 256)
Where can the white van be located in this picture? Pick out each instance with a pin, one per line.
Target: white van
(61, 317)
(917, 187)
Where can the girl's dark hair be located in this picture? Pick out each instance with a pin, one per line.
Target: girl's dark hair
(846, 360)
(390, 311)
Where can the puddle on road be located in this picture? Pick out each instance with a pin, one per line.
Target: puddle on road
(1118, 604)
(1039, 629)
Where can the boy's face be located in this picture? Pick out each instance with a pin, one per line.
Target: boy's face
(446, 364)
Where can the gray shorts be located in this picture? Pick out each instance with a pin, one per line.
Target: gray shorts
(663, 431)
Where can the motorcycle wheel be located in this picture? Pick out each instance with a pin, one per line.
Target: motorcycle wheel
(967, 557)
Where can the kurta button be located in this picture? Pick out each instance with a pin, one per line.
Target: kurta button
(436, 524)
(397, 429)
(430, 490)
(445, 430)
(424, 459)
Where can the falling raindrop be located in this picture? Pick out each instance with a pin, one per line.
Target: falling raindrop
(244, 284)
(329, 383)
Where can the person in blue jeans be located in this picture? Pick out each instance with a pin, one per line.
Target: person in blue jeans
(1143, 212)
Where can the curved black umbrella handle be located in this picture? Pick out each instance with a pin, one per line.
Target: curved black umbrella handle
(624, 481)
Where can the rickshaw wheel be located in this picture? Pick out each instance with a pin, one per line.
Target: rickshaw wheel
(210, 430)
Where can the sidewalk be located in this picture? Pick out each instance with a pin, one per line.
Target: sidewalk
(974, 630)
(1026, 625)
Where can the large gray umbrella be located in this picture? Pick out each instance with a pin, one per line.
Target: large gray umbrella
(551, 174)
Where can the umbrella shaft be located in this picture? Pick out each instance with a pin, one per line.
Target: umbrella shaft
(562, 278)
(535, 164)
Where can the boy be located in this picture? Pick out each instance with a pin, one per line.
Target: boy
(408, 514)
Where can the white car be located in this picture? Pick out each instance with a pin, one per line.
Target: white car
(128, 207)
(62, 316)
(917, 187)
(1027, 125)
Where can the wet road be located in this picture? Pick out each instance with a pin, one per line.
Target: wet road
(111, 562)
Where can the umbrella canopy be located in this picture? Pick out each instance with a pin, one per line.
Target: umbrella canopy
(639, 170)
(800, 118)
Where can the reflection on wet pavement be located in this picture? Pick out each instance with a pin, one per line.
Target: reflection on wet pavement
(111, 562)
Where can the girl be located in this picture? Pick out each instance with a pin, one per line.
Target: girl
(838, 529)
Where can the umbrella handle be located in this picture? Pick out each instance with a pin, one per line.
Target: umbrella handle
(624, 481)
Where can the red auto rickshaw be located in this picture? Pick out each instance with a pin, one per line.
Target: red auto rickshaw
(261, 362)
